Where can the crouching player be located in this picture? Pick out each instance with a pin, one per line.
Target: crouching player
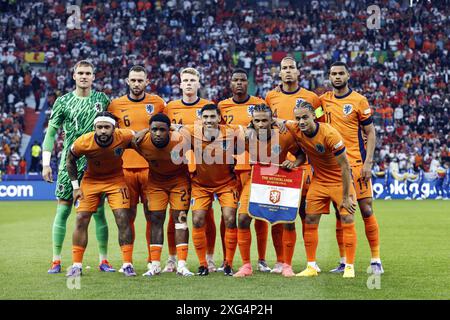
(331, 182)
(168, 183)
(103, 149)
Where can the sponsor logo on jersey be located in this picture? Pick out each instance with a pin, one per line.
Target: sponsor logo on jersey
(320, 148)
(347, 109)
(118, 151)
(98, 106)
(250, 109)
(150, 108)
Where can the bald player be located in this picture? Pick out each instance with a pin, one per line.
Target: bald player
(237, 110)
(350, 114)
(282, 101)
(133, 111)
(186, 111)
(331, 182)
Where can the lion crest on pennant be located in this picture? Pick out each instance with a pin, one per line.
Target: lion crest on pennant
(274, 196)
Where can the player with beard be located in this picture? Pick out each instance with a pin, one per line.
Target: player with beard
(282, 101)
(134, 111)
(103, 150)
(350, 114)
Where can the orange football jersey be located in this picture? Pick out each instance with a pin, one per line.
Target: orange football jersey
(103, 162)
(135, 115)
(347, 114)
(321, 148)
(161, 160)
(180, 112)
(214, 160)
(275, 150)
(238, 113)
(283, 103)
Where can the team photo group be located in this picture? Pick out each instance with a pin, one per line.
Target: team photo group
(176, 158)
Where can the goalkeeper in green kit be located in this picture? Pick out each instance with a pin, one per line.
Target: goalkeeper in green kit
(75, 111)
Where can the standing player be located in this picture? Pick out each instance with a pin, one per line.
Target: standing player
(276, 146)
(104, 175)
(282, 101)
(237, 110)
(186, 111)
(349, 113)
(75, 112)
(214, 149)
(133, 111)
(168, 183)
(331, 182)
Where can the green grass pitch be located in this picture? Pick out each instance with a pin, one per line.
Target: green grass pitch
(415, 249)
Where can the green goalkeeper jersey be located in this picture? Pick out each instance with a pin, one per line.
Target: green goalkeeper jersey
(76, 115)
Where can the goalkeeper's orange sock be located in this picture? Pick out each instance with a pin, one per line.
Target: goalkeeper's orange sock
(244, 242)
(199, 239)
(262, 233)
(277, 237)
(371, 226)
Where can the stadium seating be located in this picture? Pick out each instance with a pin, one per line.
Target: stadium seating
(402, 69)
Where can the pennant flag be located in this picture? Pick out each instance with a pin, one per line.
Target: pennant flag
(275, 193)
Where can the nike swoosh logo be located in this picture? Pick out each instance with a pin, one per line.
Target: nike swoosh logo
(123, 110)
(175, 113)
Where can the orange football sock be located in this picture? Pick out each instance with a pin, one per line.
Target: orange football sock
(127, 253)
(77, 254)
(371, 226)
(340, 238)
(262, 233)
(289, 239)
(182, 251)
(222, 237)
(171, 236)
(277, 237)
(155, 252)
(210, 224)
(199, 239)
(311, 241)
(231, 244)
(349, 241)
(148, 230)
(244, 243)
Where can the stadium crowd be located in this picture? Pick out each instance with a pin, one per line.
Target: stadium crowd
(403, 68)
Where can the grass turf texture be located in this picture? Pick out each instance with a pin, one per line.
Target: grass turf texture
(415, 241)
